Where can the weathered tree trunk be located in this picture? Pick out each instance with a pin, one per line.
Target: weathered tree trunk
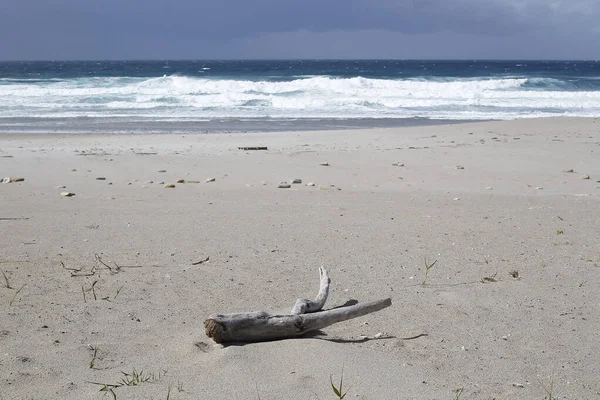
(261, 326)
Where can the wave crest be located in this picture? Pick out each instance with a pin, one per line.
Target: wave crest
(173, 96)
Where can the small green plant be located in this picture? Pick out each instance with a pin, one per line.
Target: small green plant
(515, 274)
(7, 282)
(560, 232)
(91, 289)
(548, 390)
(133, 379)
(15, 296)
(338, 390)
(179, 386)
(93, 362)
(458, 393)
(427, 268)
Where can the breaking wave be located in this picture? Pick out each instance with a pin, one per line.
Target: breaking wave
(195, 98)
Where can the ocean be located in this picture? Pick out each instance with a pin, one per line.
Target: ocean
(274, 95)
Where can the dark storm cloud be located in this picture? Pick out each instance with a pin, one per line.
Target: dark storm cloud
(185, 28)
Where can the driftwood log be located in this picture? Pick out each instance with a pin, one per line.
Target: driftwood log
(306, 316)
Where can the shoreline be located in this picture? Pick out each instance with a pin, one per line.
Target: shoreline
(217, 125)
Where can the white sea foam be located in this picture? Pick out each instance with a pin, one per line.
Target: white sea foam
(173, 97)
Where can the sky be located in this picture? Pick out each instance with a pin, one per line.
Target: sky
(331, 29)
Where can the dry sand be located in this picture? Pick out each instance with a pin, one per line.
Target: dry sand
(510, 208)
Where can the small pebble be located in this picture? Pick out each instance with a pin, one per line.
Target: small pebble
(284, 185)
(324, 164)
(100, 178)
(378, 335)
(180, 180)
(160, 183)
(585, 176)
(310, 184)
(67, 194)
(539, 188)
(193, 182)
(460, 167)
(162, 170)
(518, 385)
(61, 187)
(296, 181)
(489, 188)
(397, 164)
(569, 170)
(456, 198)
(169, 186)
(210, 180)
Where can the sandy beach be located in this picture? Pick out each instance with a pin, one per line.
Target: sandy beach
(106, 282)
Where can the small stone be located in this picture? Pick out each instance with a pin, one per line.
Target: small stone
(150, 182)
(489, 188)
(397, 164)
(296, 181)
(169, 186)
(193, 182)
(67, 194)
(460, 167)
(61, 187)
(539, 188)
(100, 178)
(6, 180)
(378, 335)
(162, 170)
(210, 180)
(456, 198)
(17, 179)
(569, 170)
(518, 385)
(324, 164)
(310, 184)
(284, 185)
(585, 176)
(180, 180)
